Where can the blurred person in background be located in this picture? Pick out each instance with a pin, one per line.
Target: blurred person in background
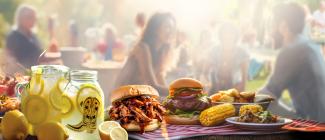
(111, 46)
(183, 47)
(249, 36)
(207, 41)
(250, 43)
(181, 60)
(140, 22)
(147, 62)
(309, 20)
(229, 69)
(73, 34)
(319, 16)
(299, 66)
(201, 65)
(132, 38)
(53, 43)
(316, 26)
(21, 43)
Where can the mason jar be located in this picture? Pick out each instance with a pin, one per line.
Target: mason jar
(83, 105)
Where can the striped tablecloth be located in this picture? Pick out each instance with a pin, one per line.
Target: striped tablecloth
(185, 131)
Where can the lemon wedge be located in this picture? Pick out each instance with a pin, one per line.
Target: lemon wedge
(35, 109)
(51, 131)
(111, 130)
(118, 133)
(14, 126)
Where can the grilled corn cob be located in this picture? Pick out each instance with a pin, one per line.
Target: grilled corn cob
(216, 114)
(254, 108)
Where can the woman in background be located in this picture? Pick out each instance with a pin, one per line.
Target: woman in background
(231, 62)
(147, 61)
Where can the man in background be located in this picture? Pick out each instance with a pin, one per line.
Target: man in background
(299, 66)
(21, 43)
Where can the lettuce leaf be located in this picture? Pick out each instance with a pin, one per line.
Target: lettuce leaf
(187, 114)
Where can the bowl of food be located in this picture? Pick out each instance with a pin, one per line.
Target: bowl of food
(253, 117)
(239, 99)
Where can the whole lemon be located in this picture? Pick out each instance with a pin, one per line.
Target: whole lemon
(51, 131)
(14, 126)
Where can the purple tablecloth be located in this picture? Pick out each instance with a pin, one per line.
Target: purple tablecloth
(185, 131)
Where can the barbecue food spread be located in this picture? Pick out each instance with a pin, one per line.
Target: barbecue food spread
(8, 83)
(185, 102)
(8, 103)
(136, 108)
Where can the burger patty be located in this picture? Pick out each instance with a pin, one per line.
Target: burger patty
(142, 109)
(194, 103)
(186, 91)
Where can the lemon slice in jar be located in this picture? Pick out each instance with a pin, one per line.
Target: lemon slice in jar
(62, 84)
(35, 109)
(67, 106)
(55, 95)
(85, 91)
(36, 84)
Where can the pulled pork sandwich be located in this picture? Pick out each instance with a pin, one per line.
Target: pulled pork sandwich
(185, 102)
(136, 108)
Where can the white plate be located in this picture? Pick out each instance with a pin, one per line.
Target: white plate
(259, 126)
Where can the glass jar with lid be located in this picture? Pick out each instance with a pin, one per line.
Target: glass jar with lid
(83, 105)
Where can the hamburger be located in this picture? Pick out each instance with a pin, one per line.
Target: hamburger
(136, 108)
(185, 102)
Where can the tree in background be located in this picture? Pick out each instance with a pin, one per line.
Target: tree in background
(7, 12)
(313, 4)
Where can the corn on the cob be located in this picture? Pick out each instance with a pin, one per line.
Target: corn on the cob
(254, 108)
(216, 114)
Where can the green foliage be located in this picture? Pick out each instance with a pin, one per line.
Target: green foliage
(7, 14)
(7, 9)
(313, 4)
(3, 30)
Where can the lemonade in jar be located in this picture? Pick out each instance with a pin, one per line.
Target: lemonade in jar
(83, 106)
(41, 97)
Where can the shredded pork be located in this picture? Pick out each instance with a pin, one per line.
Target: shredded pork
(141, 109)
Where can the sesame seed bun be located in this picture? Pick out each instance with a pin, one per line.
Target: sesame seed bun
(185, 82)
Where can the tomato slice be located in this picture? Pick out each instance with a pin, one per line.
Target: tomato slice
(188, 93)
